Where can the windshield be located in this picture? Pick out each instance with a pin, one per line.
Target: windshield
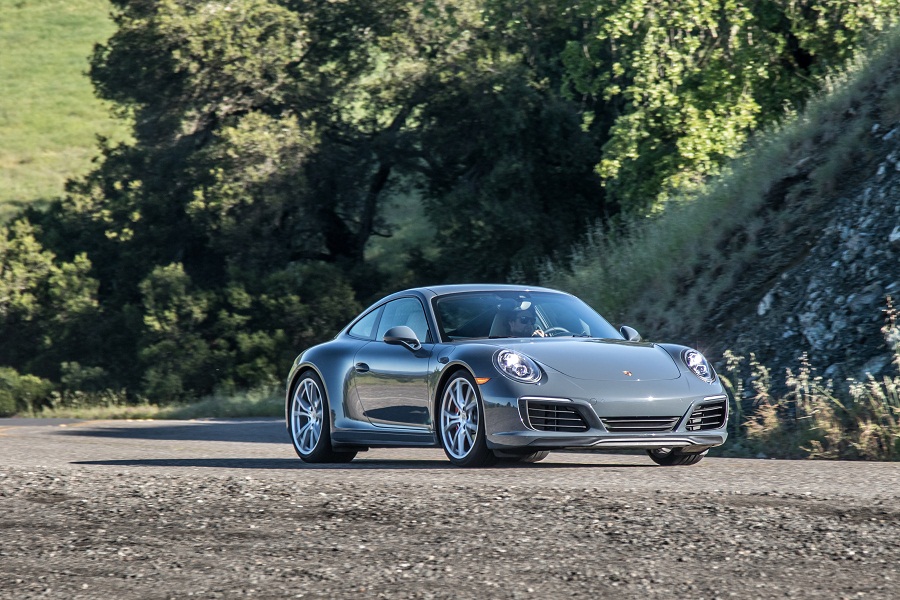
(517, 314)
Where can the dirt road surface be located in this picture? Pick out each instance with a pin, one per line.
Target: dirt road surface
(224, 509)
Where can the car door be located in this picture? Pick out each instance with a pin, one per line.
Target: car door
(390, 379)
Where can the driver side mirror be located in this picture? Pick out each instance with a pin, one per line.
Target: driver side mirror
(403, 336)
(630, 333)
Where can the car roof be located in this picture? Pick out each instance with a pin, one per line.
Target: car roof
(441, 290)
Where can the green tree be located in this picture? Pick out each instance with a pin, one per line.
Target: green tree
(48, 307)
(673, 89)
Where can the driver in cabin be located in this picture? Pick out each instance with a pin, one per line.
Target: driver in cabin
(521, 321)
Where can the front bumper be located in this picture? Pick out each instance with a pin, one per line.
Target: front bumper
(598, 440)
(627, 419)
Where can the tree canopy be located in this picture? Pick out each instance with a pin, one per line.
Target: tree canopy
(270, 136)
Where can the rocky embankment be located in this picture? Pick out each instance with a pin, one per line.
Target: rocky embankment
(831, 304)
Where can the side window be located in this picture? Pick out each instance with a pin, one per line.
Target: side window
(365, 326)
(405, 311)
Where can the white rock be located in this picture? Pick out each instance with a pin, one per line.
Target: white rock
(765, 304)
(894, 236)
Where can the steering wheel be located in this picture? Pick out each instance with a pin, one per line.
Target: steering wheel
(554, 331)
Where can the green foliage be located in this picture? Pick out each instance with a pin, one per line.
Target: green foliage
(22, 393)
(47, 306)
(517, 188)
(675, 88)
(274, 141)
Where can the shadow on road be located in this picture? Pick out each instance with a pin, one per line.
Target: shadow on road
(266, 431)
(358, 464)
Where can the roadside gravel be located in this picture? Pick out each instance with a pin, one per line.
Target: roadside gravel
(83, 532)
(224, 509)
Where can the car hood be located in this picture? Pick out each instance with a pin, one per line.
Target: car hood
(601, 360)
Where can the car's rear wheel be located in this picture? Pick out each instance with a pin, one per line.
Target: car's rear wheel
(672, 457)
(309, 422)
(461, 423)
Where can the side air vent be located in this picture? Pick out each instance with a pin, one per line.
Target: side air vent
(709, 415)
(639, 424)
(548, 416)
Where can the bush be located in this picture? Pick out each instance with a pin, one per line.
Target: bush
(22, 393)
(7, 404)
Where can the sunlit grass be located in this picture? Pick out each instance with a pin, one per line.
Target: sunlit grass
(49, 117)
(263, 402)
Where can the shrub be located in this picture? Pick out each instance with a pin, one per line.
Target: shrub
(22, 393)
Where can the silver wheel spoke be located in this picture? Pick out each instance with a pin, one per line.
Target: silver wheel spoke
(456, 397)
(460, 443)
(453, 419)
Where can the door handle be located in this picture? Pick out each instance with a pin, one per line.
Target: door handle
(361, 367)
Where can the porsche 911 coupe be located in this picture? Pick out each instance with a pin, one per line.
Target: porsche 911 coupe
(500, 373)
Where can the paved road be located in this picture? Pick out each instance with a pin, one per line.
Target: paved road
(223, 508)
(260, 447)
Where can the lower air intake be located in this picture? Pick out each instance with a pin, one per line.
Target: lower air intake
(639, 424)
(546, 416)
(710, 415)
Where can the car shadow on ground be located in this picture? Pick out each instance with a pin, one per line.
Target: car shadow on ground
(267, 431)
(358, 464)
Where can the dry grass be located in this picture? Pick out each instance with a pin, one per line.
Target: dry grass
(262, 402)
(816, 418)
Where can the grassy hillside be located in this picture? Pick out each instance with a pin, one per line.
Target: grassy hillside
(711, 256)
(49, 117)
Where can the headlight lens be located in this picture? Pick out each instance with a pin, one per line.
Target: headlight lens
(697, 363)
(518, 366)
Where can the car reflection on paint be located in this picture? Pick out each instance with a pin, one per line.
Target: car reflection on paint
(499, 372)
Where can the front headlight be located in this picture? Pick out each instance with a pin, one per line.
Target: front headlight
(517, 366)
(698, 365)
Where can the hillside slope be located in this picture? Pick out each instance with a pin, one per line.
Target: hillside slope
(831, 303)
(792, 251)
(49, 117)
(821, 287)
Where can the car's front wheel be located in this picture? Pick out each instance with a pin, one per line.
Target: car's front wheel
(461, 423)
(309, 422)
(531, 457)
(671, 457)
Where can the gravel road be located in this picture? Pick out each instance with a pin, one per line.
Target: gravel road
(223, 509)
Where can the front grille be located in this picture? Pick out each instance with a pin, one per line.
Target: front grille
(708, 416)
(546, 416)
(639, 424)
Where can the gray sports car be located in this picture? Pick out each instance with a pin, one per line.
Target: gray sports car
(500, 372)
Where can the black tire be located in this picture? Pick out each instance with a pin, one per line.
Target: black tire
(675, 457)
(309, 422)
(531, 457)
(460, 423)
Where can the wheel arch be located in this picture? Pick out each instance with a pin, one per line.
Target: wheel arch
(295, 376)
(446, 375)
